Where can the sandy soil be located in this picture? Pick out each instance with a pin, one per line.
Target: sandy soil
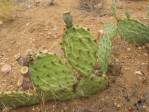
(40, 27)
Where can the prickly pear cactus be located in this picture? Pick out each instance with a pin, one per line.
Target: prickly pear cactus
(105, 46)
(90, 86)
(52, 75)
(133, 31)
(104, 53)
(55, 78)
(80, 49)
(17, 98)
(110, 30)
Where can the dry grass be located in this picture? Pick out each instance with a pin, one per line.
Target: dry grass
(7, 10)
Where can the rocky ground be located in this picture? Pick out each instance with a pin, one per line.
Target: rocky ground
(38, 26)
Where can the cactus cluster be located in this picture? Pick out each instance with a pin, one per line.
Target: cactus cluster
(56, 78)
(133, 31)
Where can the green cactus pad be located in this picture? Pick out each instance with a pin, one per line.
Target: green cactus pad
(17, 98)
(133, 31)
(51, 74)
(90, 86)
(104, 52)
(60, 95)
(80, 49)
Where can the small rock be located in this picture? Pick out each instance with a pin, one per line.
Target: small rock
(139, 48)
(27, 24)
(138, 73)
(117, 105)
(13, 42)
(101, 32)
(45, 51)
(6, 68)
(144, 63)
(128, 49)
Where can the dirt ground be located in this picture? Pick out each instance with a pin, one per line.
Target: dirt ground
(40, 27)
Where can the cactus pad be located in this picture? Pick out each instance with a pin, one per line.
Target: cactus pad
(133, 31)
(51, 74)
(104, 52)
(17, 98)
(90, 86)
(80, 49)
(105, 46)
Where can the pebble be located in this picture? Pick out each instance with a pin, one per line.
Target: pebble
(12, 42)
(117, 105)
(49, 33)
(144, 63)
(45, 51)
(27, 24)
(6, 68)
(138, 73)
(100, 32)
(139, 48)
(128, 49)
